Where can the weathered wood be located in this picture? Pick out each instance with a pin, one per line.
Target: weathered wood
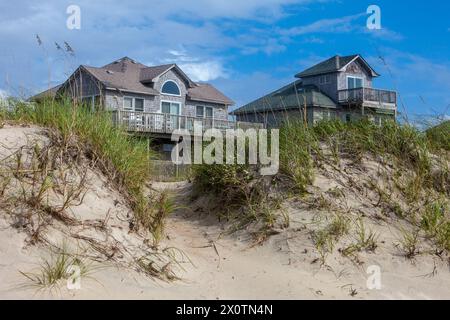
(149, 122)
(370, 97)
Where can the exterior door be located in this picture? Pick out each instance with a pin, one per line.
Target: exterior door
(354, 83)
(173, 110)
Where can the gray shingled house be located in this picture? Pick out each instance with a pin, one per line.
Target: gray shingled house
(153, 100)
(337, 88)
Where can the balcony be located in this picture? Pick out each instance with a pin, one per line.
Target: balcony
(369, 97)
(162, 123)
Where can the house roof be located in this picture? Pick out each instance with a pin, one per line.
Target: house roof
(335, 64)
(149, 73)
(292, 96)
(122, 74)
(208, 93)
(130, 76)
(49, 93)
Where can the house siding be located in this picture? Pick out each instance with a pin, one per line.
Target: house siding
(353, 69)
(319, 110)
(338, 80)
(114, 99)
(220, 112)
(83, 85)
(330, 89)
(173, 76)
(275, 119)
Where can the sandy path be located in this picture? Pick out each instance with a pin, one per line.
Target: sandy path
(234, 271)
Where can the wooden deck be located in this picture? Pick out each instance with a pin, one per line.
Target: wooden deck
(369, 97)
(162, 123)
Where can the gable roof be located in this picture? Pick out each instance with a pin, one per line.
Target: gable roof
(49, 93)
(128, 75)
(335, 64)
(122, 77)
(206, 92)
(291, 96)
(150, 73)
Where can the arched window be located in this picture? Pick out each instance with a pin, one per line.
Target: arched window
(170, 87)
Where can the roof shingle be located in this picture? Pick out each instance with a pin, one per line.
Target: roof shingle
(331, 65)
(128, 75)
(206, 92)
(286, 98)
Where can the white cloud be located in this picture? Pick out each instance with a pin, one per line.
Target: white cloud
(144, 31)
(196, 68)
(343, 24)
(348, 24)
(204, 71)
(385, 33)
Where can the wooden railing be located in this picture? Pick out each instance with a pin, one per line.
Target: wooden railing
(384, 98)
(166, 123)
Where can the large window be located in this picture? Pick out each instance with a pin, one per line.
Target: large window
(171, 88)
(133, 104)
(354, 82)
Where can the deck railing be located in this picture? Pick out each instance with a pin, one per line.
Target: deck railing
(384, 98)
(166, 123)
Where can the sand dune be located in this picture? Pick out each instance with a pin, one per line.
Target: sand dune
(224, 266)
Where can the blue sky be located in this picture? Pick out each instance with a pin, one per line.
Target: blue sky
(245, 48)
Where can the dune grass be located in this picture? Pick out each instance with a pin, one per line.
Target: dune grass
(125, 160)
(305, 148)
(439, 136)
(60, 265)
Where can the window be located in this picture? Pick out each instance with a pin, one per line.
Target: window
(325, 79)
(170, 87)
(204, 112)
(128, 104)
(354, 82)
(209, 112)
(170, 107)
(133, 104)
(348, 117)
(200, 113)
(139, 105)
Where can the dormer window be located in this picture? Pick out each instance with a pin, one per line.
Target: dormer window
(171, 88)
